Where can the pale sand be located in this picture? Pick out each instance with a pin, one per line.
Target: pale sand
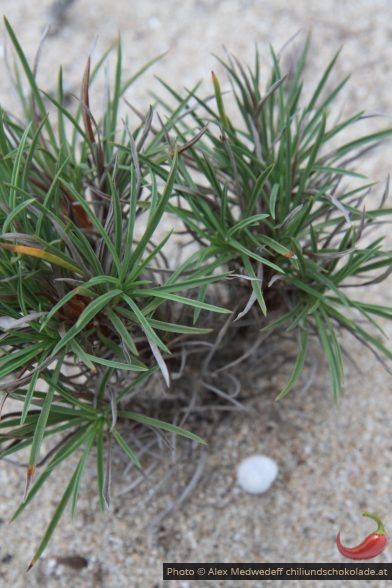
(334, 462)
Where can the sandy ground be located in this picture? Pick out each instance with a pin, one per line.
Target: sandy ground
(334, 461)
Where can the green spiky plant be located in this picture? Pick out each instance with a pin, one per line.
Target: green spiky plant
(93, 315)
(269, 200)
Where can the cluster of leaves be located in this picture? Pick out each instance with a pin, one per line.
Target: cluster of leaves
(91, 310)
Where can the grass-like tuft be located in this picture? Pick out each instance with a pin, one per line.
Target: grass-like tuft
(94, 316)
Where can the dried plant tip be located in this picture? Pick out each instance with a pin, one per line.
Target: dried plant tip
(31, 564)
(42, 254)
(31, 469)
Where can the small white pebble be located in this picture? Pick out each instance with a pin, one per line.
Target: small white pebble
(154, 23)
(256, 473)
(49, 566)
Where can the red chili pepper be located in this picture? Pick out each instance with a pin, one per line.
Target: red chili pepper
(370, 547)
